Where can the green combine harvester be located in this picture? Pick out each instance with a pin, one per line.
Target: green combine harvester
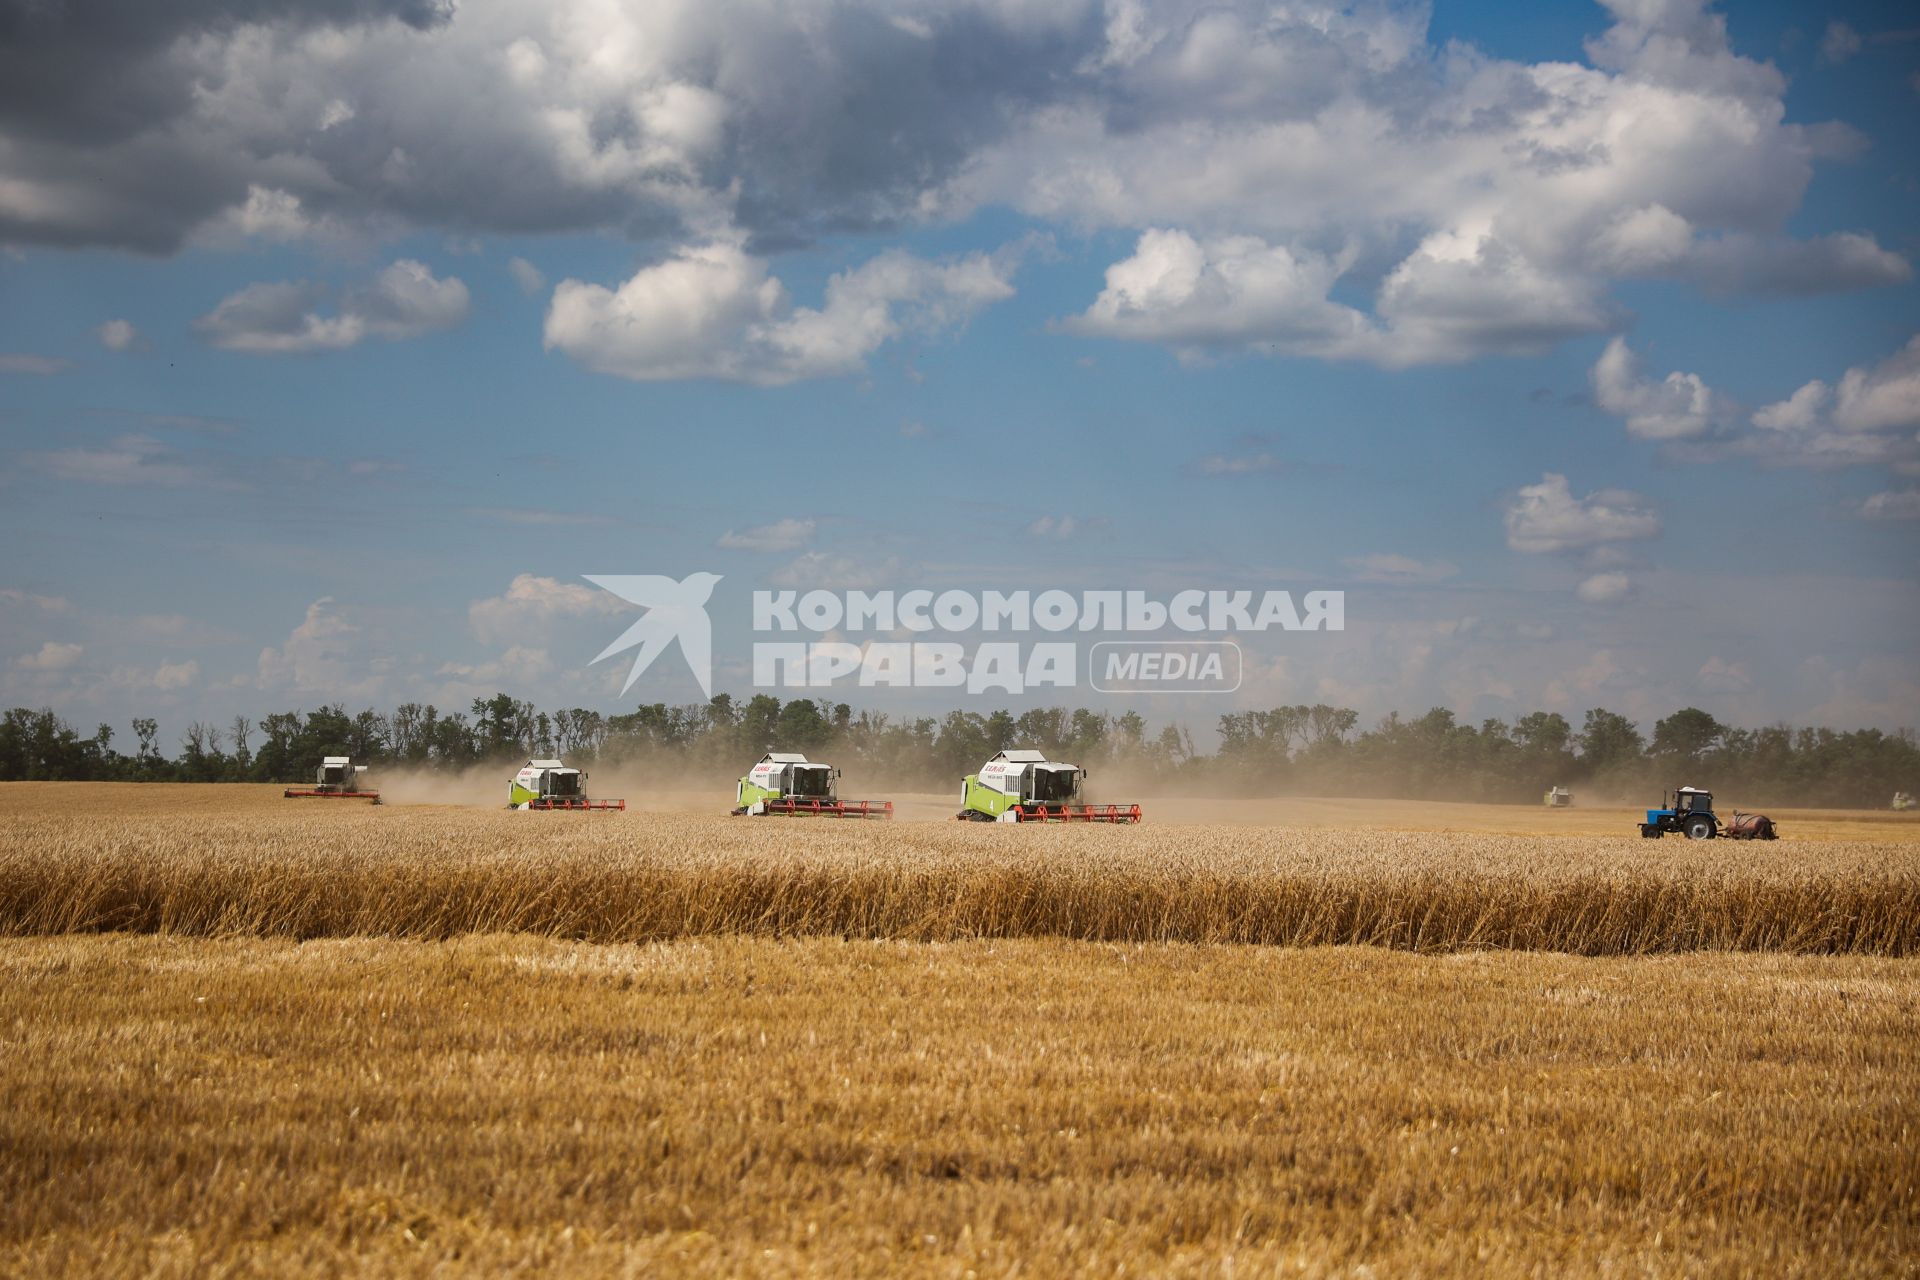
(1025, 786)
(546, 786)
(787, 784)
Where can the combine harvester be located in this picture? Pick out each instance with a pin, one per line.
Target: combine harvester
(338, 778)
(789, 784)
(1025, 786)
(548, 784)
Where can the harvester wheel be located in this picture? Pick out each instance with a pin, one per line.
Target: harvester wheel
(1700, 829)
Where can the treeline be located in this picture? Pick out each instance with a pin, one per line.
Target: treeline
(1301, 750)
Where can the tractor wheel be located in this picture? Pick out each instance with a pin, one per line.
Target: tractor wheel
(1700, 829)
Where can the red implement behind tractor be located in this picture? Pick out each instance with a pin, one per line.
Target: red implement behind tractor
(1749, 826)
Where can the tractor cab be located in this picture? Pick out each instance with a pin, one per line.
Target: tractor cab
(1688, 810)
(1692, 800)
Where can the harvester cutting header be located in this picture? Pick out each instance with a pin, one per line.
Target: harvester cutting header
(1025, 786)
(787, 783)
(549, 784)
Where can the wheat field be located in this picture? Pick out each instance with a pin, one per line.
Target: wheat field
(248, 1036)
(197, 861)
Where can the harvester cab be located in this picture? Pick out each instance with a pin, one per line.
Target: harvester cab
(549, 784)
(1688, 811)
(337, 778)
(1025, 786)
(787, 783)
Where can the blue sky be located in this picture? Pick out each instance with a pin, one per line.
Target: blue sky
(338, 340)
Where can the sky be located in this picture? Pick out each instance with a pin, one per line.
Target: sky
(1579, 346)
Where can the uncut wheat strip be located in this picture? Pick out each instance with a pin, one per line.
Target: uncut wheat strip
(228, 879)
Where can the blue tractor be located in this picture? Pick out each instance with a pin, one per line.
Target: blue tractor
(1688, 811)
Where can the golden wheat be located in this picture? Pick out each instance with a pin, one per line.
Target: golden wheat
(761, 1074)
(752, 1106)
(318, 870)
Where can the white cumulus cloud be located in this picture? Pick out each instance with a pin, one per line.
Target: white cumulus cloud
(1546, 517)
(1887, 395)
(1675, 407)
(713, 310)
(517, 665)
(1895, 504)
(117, 335)
(1464, 203)
(1229, 292)
(404, 301)
(531, 603)
(318, 657)
(1457, 296)
(830, 571)
(1867, 416)
(529, 277)
(54, 655)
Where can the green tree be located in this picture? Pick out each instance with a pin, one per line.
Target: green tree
(1608, 741)
(1543, 733)
(1686, 735)
(146, 729)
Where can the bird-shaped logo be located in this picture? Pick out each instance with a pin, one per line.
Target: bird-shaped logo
(675, 611)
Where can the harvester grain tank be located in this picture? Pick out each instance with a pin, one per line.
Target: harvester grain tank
(548, 784)
(337, 778)
(786, 783)
(1025, 786)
